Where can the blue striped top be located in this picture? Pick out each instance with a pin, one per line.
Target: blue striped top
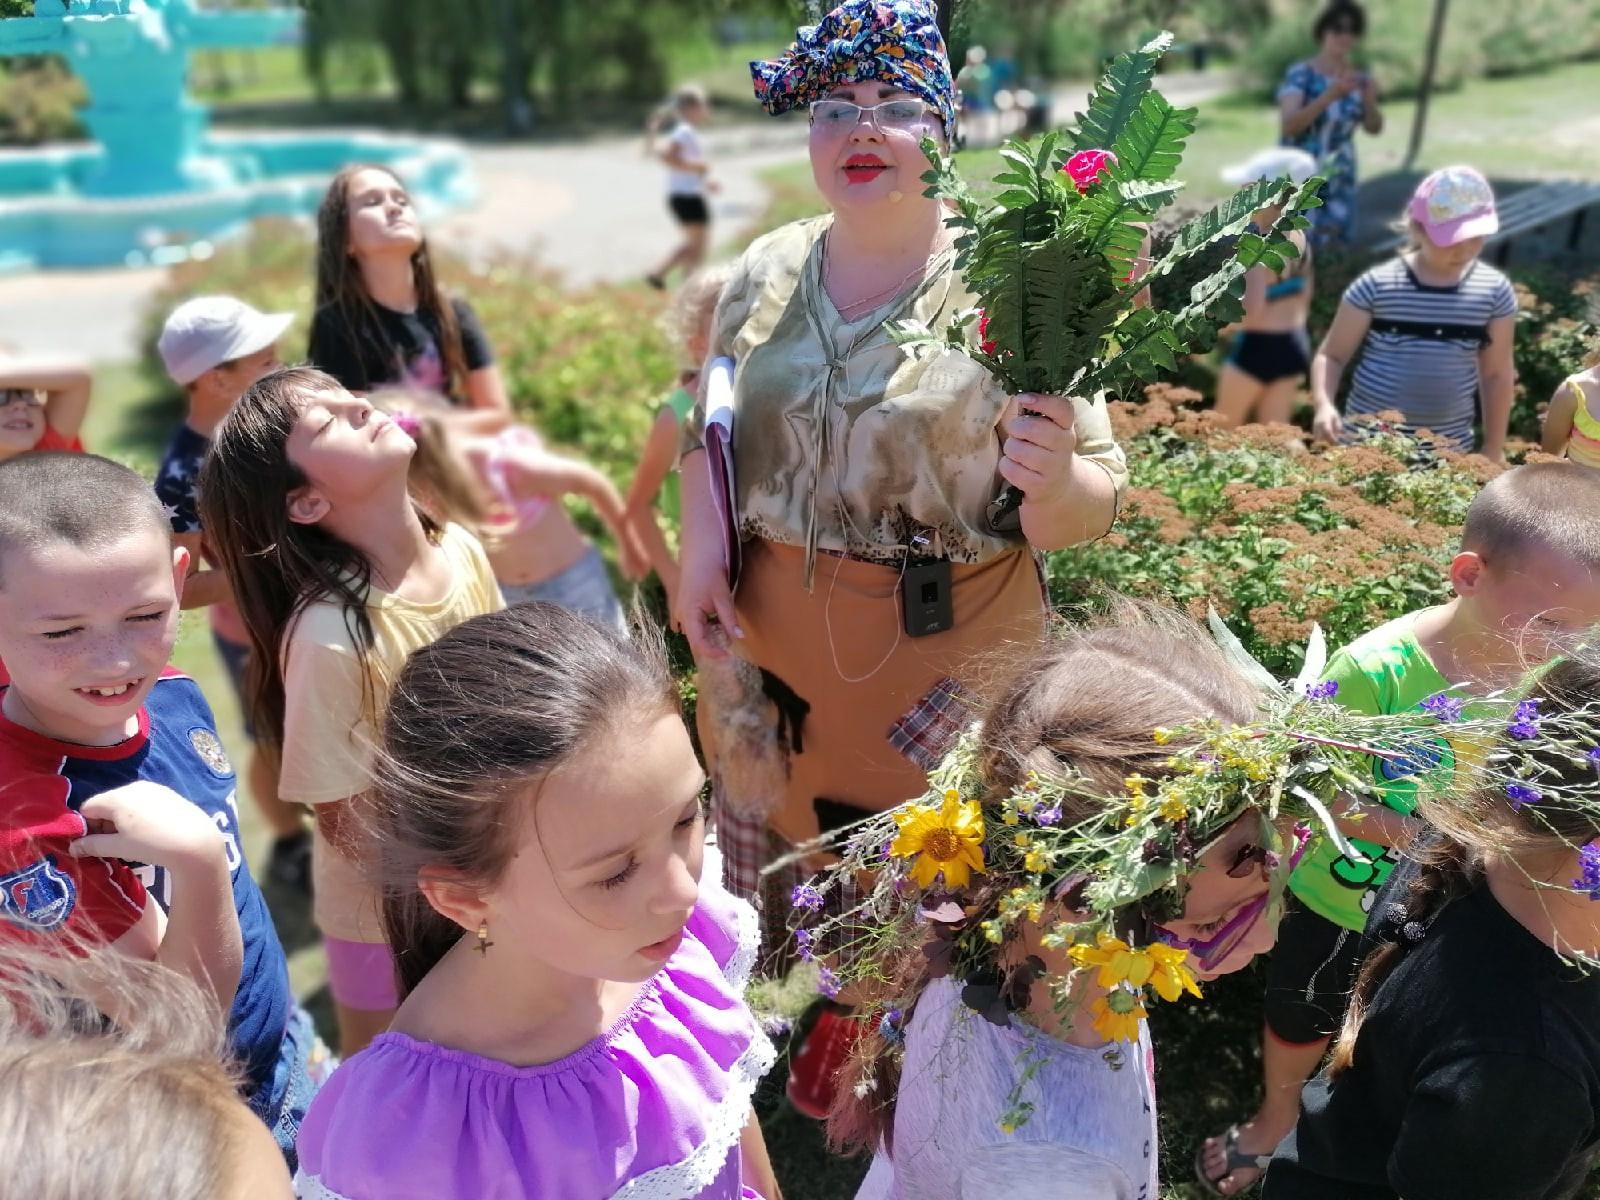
(1434, 383)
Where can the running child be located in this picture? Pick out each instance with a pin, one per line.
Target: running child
(655, 480)
(382, 318)
(688, 178)
(496, 478)
(42, 404)
(572, 1013)
(1433, 326)
(118, 820)
(1272, 350)
(1469, 1062)
(1526, 587)
(214, 347)
(1572, 423)
(338, 576)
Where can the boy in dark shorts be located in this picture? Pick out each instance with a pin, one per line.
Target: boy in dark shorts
(215, 348)
(116, 789)
(1527, 583)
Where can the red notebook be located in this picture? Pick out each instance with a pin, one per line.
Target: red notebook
(719, 458)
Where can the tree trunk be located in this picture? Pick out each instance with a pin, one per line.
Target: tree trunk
(1419, 120)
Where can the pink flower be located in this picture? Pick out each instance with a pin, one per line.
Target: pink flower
(1086, 167)
(984, 344)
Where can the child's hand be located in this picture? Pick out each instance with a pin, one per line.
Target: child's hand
(713, 186)
(631, 557)
(148, 823)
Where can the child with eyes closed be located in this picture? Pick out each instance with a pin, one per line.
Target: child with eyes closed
(572, 1022)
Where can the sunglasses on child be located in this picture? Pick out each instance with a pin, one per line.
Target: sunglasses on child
(835, 116)
(26, 397)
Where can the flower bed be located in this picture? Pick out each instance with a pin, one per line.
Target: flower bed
(1274, 534)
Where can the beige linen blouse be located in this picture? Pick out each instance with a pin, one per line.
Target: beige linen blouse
(843, 440)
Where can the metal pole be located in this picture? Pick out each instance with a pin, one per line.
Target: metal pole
(1419, 119)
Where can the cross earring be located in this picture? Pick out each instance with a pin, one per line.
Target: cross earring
(483, 938)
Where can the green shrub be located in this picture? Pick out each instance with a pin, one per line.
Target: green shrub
(39, 101)
(1272, 534)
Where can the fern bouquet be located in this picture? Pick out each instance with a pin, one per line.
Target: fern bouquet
(1051, 257)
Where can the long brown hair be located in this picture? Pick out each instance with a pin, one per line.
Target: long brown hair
(462, 753)
(1468, 833)
(341, 289)
(275, 566)
(1089, 699)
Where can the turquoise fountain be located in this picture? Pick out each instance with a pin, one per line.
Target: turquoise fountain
(159, 186)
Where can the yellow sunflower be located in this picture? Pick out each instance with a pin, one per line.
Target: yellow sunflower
(1171, 977)
(947, 840)
(1118, 962)
(1117, 1015)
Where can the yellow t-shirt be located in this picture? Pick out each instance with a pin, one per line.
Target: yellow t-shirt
(332, 716)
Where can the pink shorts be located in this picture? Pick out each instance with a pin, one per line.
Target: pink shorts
(361, 974)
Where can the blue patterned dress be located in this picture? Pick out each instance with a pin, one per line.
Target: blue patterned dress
(1330, 139)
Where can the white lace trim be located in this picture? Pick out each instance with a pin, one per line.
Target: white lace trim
(687, 1178)
(309, 1187)
(747, 937)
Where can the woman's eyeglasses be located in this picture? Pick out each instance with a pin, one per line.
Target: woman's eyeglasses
(836, 116)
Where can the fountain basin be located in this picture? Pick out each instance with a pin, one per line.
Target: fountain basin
(47, 221)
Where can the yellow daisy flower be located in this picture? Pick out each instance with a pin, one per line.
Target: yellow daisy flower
(946, 840)
(1118, 962)
(1117, 1015)
(1172, 808)
(1171, 977)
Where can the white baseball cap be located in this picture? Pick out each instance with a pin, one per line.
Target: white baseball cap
(1277, 163)
(210, 330)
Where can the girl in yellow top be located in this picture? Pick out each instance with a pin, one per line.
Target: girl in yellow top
(1572, 424)
(338, 577)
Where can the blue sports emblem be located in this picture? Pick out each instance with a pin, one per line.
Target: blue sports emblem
(38, 896)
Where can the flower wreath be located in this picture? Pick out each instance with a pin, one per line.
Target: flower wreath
(955, 871)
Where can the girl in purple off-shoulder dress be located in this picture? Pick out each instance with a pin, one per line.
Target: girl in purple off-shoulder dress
(572, 1024)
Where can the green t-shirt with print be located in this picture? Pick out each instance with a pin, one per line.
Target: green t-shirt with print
(1384, 671)
(670, 504)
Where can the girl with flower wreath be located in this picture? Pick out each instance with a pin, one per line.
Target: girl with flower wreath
(1040, 1100)
(1469, 1062)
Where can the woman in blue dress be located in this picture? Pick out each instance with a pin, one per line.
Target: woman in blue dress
(1320, 104)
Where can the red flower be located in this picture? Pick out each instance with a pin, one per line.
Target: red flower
(1086, 167)
(984, 344)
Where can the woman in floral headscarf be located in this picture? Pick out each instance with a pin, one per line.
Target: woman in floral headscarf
(865, 476)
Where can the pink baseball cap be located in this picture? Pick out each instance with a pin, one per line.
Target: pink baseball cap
(1454, 204)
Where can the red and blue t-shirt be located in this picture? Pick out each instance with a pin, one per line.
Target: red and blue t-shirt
(45, 892)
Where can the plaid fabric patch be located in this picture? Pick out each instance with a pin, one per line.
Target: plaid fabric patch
(927, 732)
(745, 846)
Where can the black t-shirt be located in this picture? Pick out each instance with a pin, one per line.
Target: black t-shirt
(1476, 1075)
(397, 348)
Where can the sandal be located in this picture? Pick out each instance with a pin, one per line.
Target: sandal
(1237, 1160)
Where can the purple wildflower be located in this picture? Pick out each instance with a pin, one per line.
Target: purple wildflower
(1049, 816)
(1525, 721)
(1444, 707)
(802, 941)
(1520, 794)
(1326, 690)
(828, 983)
(889, 1027)
(1594, 754)
(1589, 863)
(805, 896)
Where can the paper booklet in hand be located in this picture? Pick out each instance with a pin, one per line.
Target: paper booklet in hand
(719, 457)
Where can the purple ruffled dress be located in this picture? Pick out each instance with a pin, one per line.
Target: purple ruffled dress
(652, 1110)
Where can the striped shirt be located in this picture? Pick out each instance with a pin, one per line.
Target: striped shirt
(1433, 381)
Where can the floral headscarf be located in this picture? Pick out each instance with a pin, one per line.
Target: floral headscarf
(895, 41)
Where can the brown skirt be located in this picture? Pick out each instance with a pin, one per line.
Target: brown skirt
(861, 709)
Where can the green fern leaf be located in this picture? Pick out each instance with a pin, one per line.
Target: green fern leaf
(1150, 146)
(1118, 96)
